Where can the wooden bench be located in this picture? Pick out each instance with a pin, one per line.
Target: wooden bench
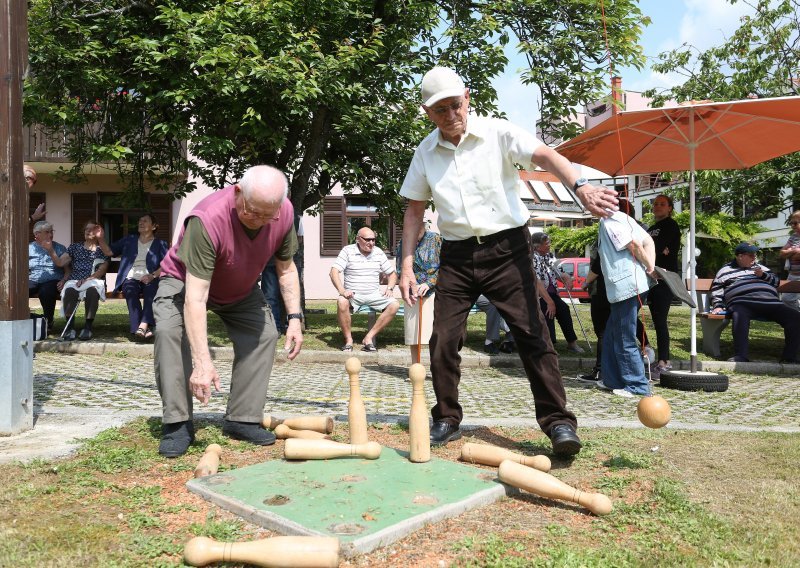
(712, 325)
(373, 315)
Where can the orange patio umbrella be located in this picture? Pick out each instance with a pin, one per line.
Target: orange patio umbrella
(695, 136)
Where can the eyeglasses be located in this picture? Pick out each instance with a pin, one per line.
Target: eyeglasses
(370, 240)
(444, 109)
(248, 212)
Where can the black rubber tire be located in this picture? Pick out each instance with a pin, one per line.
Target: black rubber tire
(697, 381)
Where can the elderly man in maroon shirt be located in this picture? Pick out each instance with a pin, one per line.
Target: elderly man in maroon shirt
(216, 265)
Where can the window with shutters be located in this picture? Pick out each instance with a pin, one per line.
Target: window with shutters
(343, 217)
(117, 219)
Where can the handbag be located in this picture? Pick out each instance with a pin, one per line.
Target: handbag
(39, 327)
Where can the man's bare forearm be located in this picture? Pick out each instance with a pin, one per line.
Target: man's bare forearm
(289, 283)
(196, 319)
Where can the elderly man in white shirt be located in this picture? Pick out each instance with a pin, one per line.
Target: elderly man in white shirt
(362, 264)
(467, 167)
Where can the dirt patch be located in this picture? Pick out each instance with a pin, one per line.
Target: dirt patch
(103, 504)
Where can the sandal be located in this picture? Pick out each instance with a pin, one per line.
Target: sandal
(140, 334)
(369, 348)
(148, 335)
(348, 348)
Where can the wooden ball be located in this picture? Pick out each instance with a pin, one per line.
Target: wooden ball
(353, 365)
(416, 372)
(653, 411)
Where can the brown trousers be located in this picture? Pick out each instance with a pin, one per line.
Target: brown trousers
(500, 268)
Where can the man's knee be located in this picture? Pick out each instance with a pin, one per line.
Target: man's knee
(343, 305)
(393, 307)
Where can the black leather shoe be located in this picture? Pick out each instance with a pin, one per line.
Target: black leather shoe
(491, 348)
(443, 432)
(565, 441)
(508, 346)
(85, 335)
(249, 432)
(176, 438)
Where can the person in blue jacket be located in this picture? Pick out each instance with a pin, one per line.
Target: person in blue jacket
(139, 269)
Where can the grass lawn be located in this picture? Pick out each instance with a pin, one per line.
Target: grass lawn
(322, 331)
(680, 498)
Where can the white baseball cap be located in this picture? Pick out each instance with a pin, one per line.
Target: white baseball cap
(441, 83)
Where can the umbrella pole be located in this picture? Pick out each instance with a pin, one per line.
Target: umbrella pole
(692, 250)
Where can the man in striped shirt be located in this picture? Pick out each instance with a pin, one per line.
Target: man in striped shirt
(750, 291)
(362, 264)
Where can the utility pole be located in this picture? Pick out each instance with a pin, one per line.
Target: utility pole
(16, 330)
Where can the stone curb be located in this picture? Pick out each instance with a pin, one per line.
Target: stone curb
(390, 357)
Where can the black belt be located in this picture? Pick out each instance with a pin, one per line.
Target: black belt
(494, 237)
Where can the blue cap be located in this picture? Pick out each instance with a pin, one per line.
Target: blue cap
(745, 248)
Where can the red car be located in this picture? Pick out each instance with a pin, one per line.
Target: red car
(578, 269)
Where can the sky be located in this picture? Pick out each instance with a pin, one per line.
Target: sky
(702, 23)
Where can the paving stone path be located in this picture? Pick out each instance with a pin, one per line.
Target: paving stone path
(108, 383)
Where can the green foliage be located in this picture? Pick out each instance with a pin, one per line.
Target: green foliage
(327, 91)
(761, 59)
(576, 241)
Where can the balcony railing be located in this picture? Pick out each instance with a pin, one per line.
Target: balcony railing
(39, 147)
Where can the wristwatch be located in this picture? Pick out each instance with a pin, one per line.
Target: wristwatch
(579, 182)
(297, 316)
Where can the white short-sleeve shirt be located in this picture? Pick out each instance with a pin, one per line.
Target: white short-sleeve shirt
(474, 185)
(362, 272)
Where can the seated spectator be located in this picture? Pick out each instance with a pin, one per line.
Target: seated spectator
(553, 307)
(494, 324)
(87, 282)
(791, 253)
(139, 270)
(362, 264)
(749, 290)
(48, 269)
(426, 272)
(30, 180)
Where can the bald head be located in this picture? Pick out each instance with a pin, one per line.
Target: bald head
(365, 240)
(260, 194)
(264, 185)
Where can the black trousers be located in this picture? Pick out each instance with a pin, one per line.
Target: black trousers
(501, 269)
(600, 311)
(563, 316)
(660, 299)
(787, 317)
(91, 302)
(48, 294)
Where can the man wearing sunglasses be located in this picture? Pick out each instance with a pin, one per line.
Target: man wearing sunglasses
(467, 166)
(216, 265)
(361, 264)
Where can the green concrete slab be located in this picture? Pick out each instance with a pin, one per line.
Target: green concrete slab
(365, 503)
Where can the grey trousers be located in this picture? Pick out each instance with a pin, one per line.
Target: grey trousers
(494, 321)
(252, 332)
